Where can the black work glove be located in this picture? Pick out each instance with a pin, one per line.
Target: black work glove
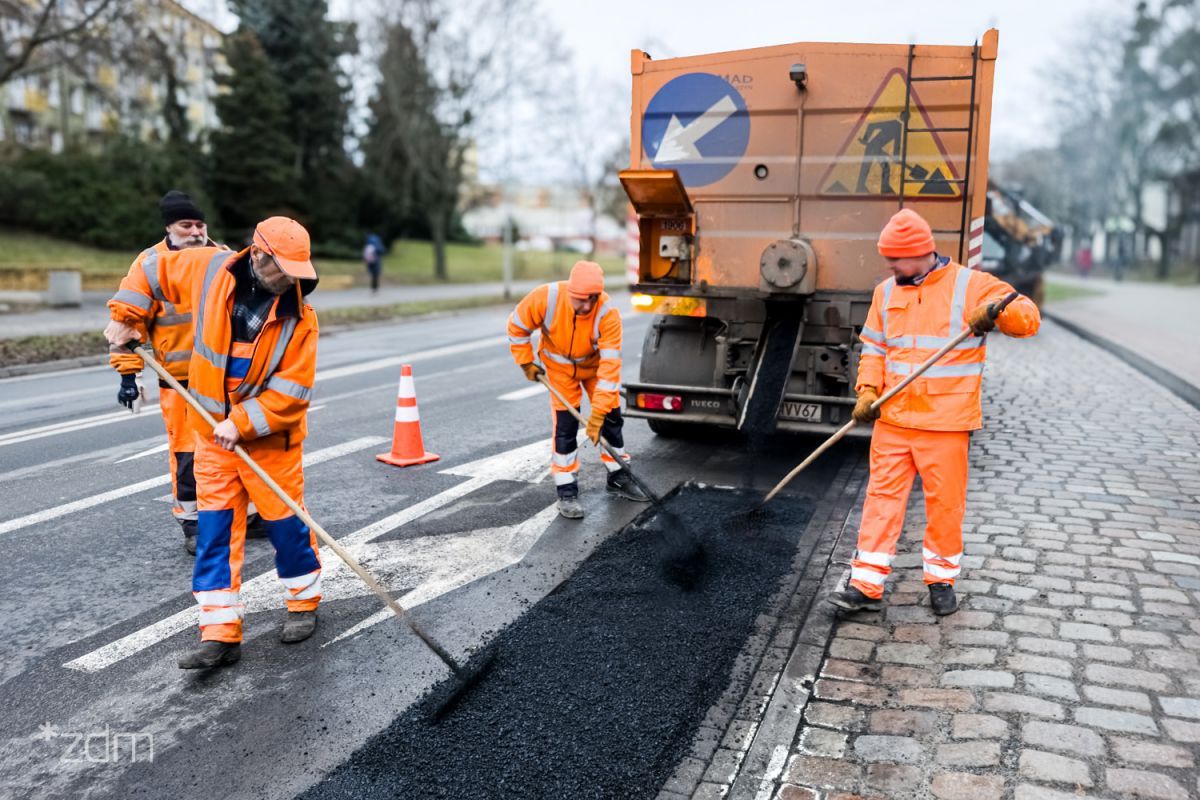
(129, 393)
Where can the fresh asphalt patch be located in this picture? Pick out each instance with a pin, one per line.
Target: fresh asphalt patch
(598, 690)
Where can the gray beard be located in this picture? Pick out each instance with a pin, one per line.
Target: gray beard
(184, 242)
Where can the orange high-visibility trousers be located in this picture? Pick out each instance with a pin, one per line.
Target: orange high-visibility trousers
(225, 483)
(897, 456)
(180, 449)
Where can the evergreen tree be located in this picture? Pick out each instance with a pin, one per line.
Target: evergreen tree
(254, 160)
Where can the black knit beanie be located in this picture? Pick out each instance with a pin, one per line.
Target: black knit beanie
(176, 205)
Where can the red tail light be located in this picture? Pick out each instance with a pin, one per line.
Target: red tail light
(659, 402)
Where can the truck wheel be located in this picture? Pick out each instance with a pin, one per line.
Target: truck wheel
(673, 430)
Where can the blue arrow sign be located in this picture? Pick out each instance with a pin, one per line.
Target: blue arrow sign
(697, 124)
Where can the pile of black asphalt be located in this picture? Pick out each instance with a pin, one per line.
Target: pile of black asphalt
(597, 691)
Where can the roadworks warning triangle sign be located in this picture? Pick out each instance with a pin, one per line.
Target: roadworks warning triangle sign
(870, 158)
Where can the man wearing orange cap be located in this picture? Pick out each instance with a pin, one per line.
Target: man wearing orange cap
(253, 366)
(926, 428)
(580, 346)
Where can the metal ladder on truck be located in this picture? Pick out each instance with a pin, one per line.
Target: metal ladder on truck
(965, 181)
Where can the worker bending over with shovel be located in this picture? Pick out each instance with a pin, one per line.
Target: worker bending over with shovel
(926, 428)
(253, 368)
(580, 346)
(169, 328)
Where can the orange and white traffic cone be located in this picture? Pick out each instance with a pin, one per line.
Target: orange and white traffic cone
(407, 446)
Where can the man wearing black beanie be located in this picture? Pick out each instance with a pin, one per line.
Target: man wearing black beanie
(170, 333)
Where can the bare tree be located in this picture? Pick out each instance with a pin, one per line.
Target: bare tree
(40, 35)
(446, 69)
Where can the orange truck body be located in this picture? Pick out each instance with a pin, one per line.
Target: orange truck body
(761, 179)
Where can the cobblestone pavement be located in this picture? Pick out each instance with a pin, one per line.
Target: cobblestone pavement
(1072, 669)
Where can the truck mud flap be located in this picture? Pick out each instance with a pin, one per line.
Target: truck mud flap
(762, 393)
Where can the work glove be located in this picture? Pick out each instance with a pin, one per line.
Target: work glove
(533, 371)
(131, 394)
(595, 423)
(981, 320)
(863, 412)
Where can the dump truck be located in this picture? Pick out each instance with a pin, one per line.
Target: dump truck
(761, 179)
(1019, 241)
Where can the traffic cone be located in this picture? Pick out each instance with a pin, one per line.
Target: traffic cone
(407, 447)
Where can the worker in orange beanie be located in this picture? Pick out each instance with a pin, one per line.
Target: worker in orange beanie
(924, 429)
(580, 346)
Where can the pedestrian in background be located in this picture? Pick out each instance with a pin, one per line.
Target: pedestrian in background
(373, 258)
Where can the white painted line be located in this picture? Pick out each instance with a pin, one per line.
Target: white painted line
(73, 371)
(316, 457)
(158, 448)
(69, 426)
(516, 465)
(523, 394)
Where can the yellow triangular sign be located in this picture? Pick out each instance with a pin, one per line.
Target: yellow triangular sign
(869, 160)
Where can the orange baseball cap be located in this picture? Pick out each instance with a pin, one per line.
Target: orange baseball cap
(288, 242)
(586, 279)
(906, 235)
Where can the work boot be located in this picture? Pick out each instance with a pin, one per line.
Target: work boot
(620, 484)
(211, 654)
(570, 508)
(942, 599)
(189, 535)
(298, 626)
(852, 599)
(255, 527)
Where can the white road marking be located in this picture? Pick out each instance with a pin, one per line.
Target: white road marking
(516, 465)
(441, 564)
(312, 459)
(69, 426)
(158, 448)
(522, 394)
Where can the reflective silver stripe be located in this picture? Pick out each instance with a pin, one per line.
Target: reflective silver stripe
(285, 338)
(178, 355)
(218, 360)
(607, 353)
(290, 388)
(150, 269)
(564, 478)
(209, 405)
(173, 319)
(514, 320)
(563, 359)
(257, 418)
(887, 296)
(899, 368)
(564, 459)
(867, 576)
(877, 559)
(869, 349)
(954, 370)
(133, 298)
(607, 386)
(900, 341)
(210, 272)
(551, 305)
(957, 323)
(872, 334)
(934, 342)
(604, 309)
(929, 555)
(168, 307)
(221, 616)
(518, 340)
(939, 571)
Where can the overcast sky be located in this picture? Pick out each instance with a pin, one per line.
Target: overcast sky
(1033, 37)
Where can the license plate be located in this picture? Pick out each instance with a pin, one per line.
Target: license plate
(804, 412)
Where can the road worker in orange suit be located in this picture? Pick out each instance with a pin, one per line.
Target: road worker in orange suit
(580, 348)
(253, 366)
(926, 428)
(169, 329)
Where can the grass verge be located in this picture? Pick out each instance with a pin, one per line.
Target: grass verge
(1058, 292)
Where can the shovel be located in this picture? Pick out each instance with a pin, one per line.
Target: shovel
(755, 515)
(684, 558)
(464, 677)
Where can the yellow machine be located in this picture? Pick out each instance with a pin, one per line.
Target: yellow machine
(761, 179)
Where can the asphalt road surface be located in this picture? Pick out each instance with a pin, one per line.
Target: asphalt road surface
(95, 584)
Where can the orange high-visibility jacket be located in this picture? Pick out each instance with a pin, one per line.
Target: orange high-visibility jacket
(572, 346)
(908, 324)
(169, 325)
(272, 399)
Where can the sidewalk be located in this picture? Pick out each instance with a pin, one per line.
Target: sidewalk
(1151, 321)
(93, 315)
(1071, 670)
